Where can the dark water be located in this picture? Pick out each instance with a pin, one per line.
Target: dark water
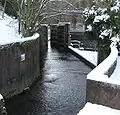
(60, 91)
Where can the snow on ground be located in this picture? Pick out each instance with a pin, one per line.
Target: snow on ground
(9, 31)
(88, 55)
(93, 109)
(8, 28)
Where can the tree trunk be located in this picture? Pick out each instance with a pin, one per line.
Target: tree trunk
(4, 8)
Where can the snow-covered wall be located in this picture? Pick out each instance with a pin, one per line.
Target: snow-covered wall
(101, 89)
(20, 40)
(101, 72)
(19, 65)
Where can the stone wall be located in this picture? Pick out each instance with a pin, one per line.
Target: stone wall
(103, 93)
(20, 62)
(19, 66)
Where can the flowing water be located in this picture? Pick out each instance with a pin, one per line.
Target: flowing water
(61, 89)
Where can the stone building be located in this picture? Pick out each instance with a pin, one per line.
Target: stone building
(64, 13)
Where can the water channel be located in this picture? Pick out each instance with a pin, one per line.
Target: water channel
(60, 90)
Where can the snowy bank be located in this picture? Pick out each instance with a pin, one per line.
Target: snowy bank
(93, 109)
(9, 31)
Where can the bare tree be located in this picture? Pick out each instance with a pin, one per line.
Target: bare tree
(33, 12)
(4, 8)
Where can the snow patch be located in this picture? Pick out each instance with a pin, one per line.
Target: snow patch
(1, 97)
(94, 109)
(103, 17)
(107, 32)
(9, 31)
(89, 28)
(35, 36)
(91, 56)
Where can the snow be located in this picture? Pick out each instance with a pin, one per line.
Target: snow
(115, 38)
(89, 28)
(9, 41)
(91, 56)
(87, 12)
(94, 109)
(98, 74)
(103, 17)
(106, 32)
(116, 7)
(9, 31)
(1, 97)
(8, 28)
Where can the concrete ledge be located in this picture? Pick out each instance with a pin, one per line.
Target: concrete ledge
(82, 58)
(103, 93)
(104, 68)
(100, 88)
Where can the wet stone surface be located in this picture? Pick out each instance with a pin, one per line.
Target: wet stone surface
(60, 91)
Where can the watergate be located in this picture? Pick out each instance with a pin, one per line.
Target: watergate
(60, 35)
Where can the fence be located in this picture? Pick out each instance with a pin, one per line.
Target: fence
(60, 34)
